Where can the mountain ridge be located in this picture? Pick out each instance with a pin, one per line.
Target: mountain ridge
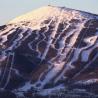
(41, 9)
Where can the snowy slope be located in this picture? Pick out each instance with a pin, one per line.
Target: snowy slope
(47, 47)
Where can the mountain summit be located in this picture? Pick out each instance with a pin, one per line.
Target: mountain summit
(50, 49)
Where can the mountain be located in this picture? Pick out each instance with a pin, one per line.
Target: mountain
(52, 50)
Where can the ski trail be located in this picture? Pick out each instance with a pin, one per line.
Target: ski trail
(51, 37)
(4, 37)
(67, 66)
(20, 36)
(9, 74)
(86, 66)
(5, 70)
(31, 43)
(7, 30)
(57, 67)
(38, 35)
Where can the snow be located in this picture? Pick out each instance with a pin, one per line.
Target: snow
(85, 54)
(45, 13)
(52, 36)
(62, 43)
(4, 37)
(39, 14)
(53, 72)
(10, 69)
(31, 43)
(87, 65)
(7, 76)
(72, 42)
(26, 87)
(2, 57)
(57, 64)
(97, 33)
(49, 91)
(91, 40)
(89, 81)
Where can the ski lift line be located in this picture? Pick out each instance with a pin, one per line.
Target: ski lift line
(8, 78)
(5, 69)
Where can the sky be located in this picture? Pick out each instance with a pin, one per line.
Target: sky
(10, 9)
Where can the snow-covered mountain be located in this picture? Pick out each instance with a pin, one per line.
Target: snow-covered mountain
(49, 49)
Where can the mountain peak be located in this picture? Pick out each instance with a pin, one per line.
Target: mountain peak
(37, 14)
(49, 12)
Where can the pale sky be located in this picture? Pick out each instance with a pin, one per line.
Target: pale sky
(10, 9)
